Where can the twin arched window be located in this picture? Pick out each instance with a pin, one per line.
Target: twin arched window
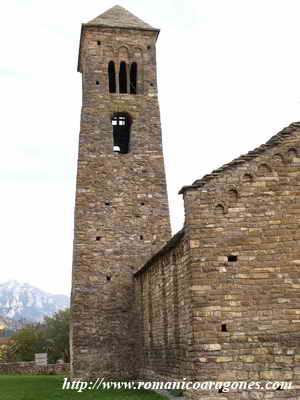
(124, 78)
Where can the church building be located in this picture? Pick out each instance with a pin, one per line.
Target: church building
(220, 300)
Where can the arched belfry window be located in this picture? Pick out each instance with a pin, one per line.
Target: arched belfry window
(123, 77)
(112, 77)
(121, 123)
(133, 78)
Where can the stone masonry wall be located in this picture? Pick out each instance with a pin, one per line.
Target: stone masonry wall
(121, 215)
(244, 231)
(164, 306)
(30, 368)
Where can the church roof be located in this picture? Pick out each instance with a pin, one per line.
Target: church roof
(118, 16)
(275, 140)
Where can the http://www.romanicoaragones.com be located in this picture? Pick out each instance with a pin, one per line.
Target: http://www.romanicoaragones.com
(79, 385)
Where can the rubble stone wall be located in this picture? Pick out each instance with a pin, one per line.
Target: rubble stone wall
(244, 229)
(30, 368)
(164, 307)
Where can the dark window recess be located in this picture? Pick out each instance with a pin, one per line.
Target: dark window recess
(248, 178)
(108, 203)
(133, 78)
(121, 133)
(224, 328)
(148, 47)
(97, 83)
(141, 237)
(99, 43)
(220, 210)
(112, 77)
(142, 204)
(98, 238)
(108, 278)
(232, 258)
(123, 77)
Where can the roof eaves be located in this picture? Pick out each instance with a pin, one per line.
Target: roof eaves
(136, 28)
(273, 141)
(87, 25)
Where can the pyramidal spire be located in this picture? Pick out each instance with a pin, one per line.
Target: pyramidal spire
(118, 16)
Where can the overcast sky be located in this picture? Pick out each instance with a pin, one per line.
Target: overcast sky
(228, 80)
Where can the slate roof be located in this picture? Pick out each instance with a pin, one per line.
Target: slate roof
(118, 16)
(275, 140)
(115, 17)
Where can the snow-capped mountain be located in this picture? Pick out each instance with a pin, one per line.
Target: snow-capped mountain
(21, 301)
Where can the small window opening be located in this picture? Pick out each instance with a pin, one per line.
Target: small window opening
(220, 210)
(152, 84)
(112, 77)
(98, 43)
(232, 258)
(141, 237)
(98, 238)
(133, 78)
(233, 195)
(123, 77)
(248, 178)
(97, 83)
(142, 204)
(108, 278)
(224, 328)
(108, 203)
(121, 133)
(292, 153)
(264, 170)
(148, 47)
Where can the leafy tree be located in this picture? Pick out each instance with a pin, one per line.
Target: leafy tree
(57, 336)
(29, 340)
(51, 336)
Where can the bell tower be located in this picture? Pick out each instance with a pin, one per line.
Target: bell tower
(121, 212)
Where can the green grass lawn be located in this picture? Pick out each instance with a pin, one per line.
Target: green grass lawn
(50, 388)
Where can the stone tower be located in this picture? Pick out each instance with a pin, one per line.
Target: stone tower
(121, 213)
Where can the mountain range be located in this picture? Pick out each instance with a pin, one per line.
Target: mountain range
(21, 301)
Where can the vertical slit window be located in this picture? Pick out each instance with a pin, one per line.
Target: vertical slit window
(133, 78)
(123, 77)
(112, 77)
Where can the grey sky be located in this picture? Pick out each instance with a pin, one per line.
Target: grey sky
(228, 81)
